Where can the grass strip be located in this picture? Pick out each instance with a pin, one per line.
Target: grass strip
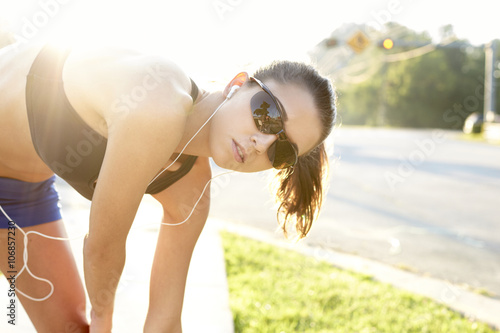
(280, 291)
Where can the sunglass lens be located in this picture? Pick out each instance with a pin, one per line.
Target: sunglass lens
(281, 154)
(265, 114)
(267, 118)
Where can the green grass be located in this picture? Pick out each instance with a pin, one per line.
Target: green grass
(280, 291)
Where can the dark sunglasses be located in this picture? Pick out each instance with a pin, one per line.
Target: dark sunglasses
(268, 116)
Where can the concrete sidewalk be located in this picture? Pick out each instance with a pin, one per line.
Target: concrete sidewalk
(206, 305)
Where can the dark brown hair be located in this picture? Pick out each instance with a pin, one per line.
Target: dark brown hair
(300, 189)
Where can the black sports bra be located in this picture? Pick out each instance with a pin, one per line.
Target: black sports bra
(70, 147)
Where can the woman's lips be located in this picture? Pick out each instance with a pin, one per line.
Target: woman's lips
(238, 152)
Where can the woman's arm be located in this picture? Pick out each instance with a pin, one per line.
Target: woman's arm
(175, 246)
(139, 144)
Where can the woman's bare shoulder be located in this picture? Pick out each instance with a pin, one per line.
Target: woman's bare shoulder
(113, 79)
(120, 66)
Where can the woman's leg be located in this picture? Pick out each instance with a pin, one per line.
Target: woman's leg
(53, 260)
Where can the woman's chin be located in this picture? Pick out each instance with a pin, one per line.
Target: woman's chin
(233, 165)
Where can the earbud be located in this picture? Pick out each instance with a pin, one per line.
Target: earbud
(232, 91)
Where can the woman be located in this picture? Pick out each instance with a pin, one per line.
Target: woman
(108, 122)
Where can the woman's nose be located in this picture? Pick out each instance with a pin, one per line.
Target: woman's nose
(262, 142)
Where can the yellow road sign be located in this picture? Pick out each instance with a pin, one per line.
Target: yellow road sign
(358, 42)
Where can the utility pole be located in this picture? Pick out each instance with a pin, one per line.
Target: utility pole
(489, 82)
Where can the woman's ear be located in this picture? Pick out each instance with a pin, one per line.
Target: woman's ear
(235, 84)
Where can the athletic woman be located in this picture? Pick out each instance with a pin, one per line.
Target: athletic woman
(109, 122)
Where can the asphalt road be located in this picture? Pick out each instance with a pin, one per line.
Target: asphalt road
(421, 200)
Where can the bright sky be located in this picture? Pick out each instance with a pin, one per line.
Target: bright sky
(212, 39)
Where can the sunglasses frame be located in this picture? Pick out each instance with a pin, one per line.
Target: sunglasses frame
(281, 135)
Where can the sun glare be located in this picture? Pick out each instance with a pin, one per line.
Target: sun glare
(215, 38)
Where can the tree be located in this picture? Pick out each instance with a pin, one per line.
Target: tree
(437, 89)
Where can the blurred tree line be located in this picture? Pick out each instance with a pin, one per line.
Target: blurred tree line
(438, 89)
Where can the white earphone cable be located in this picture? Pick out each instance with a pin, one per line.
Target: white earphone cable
(195, 134)
(25, 234)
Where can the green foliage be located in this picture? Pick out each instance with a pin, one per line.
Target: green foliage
(275, 290)
(420, 90)
(437, 89)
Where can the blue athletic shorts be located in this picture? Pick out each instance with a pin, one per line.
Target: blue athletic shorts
(28, 204)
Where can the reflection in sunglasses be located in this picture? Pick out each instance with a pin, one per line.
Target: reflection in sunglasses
(267, 115)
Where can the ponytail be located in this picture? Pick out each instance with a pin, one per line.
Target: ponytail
(300, 191)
